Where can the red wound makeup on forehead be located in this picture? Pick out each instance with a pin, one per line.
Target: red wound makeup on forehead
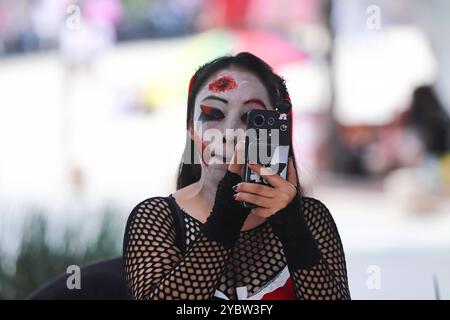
(222, 84)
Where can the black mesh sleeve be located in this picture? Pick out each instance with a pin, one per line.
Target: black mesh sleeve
(154, 266)
(313, 249)
(228, 215)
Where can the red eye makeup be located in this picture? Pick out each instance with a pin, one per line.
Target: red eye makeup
(210, 114)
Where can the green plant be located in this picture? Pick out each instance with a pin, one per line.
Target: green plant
(37, 261)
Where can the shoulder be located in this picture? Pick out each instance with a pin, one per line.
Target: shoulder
(150, 221)
(321, 223)
(312, 204)
(316, 212)
(158, 203)
(150, 210)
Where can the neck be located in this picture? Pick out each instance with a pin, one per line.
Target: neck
(207, 185)
(205, 191)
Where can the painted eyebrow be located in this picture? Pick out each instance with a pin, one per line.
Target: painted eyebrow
(257, 101)
(215, 98)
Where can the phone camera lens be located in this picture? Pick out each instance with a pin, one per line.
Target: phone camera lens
(283, 127)
(258, 120)
(271, 121)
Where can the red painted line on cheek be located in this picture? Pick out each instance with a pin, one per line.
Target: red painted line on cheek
(201, 145)
(222, 84)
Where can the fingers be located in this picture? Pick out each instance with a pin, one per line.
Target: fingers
(236, 163)
(268, 199)
(256, 188)
(274, 179)
(253, 198)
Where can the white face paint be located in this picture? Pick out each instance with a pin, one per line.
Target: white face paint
(220, 111)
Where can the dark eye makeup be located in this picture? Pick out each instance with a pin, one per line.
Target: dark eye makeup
(210, 113)
(213, 114)
(244, 117)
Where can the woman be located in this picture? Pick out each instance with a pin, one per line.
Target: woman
(200, 242)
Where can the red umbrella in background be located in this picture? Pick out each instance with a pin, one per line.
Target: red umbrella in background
(234, 18)
(272, 47)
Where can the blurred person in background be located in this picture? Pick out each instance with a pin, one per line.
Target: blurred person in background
(420, 180)
(432, 123)
(90, 29)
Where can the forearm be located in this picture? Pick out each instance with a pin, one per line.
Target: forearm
(299, 245)
(313, 250)
(320, 283)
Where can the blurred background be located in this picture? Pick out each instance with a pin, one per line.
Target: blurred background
(92, 121)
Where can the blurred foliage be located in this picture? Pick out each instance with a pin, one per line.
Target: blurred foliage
(38, 261)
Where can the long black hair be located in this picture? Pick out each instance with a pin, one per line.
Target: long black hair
(430, 119)
(190, 171)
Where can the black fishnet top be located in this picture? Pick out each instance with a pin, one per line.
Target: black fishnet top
(169, 254)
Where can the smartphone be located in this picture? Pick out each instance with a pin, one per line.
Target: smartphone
(267, 142)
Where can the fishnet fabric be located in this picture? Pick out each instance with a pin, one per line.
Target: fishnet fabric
(156, 268)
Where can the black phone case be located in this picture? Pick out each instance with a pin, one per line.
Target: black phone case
(263, 146)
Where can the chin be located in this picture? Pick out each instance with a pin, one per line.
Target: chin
(216, 169)
(218, 166)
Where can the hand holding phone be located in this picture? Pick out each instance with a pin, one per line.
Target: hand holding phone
(268, 200)
(267, 143)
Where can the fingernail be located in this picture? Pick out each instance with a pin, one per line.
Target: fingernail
(235, 187)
